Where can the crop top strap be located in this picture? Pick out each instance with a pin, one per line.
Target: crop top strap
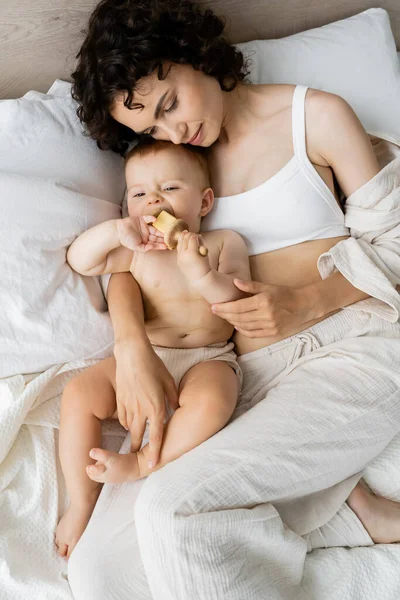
(300, 150)
(299, 123)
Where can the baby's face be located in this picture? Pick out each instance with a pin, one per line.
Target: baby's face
(166, 179)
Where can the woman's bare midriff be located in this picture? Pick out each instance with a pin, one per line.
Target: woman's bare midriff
(294, 266)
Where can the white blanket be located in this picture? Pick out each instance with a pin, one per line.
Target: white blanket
(32, 491)
(33, 497)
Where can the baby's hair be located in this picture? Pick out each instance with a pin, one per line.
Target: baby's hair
(148, 144)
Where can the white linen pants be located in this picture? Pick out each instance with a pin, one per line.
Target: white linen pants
(234, 518)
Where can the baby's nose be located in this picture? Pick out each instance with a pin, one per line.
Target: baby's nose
(155, 199)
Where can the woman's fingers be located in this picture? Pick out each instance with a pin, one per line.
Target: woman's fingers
(156, 430)
(237, 306)
(129, 418)
(121, 411)
(252, 287)
(137, 432)
(252, 316)
(171, 393)
(252, 326)
(257, 333)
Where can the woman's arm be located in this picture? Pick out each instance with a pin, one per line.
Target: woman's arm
(337, 139)
(142, 380)
(349, 268)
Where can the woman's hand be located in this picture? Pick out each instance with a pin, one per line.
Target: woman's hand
(137, 233)
(271, 310)
(142, 384)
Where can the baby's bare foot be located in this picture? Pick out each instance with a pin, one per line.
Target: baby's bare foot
(71, 527)
(380, 516)
(112, 467)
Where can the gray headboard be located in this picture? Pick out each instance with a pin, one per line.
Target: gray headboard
(39, 39)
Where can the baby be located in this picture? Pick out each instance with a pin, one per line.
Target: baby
(177, 288)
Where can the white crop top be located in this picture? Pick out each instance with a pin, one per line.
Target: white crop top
(293, 206)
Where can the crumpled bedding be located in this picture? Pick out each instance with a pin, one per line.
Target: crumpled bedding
(33, 497)
(32, 491)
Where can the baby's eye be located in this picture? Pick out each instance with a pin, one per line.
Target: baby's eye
(170, 188)
(139, 195)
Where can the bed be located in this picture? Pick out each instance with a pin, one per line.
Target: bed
(38, 43)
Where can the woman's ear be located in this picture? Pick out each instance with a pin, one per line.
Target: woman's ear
(207, 202)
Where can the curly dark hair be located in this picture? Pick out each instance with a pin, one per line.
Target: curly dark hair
(129, 39)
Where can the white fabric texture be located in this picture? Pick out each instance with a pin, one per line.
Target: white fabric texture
(32, 491)
(179, 360)
(54, 184)
(315, 409)
(370, 258)
(355, 58)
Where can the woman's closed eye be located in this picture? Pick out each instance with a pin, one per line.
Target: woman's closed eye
(173, 106)
(170, 109)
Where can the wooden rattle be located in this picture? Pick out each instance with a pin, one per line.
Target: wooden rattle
(172, 228)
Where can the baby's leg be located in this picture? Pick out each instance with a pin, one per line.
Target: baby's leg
(207, 398)
(88, 399)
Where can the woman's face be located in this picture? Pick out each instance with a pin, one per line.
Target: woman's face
(184, 108)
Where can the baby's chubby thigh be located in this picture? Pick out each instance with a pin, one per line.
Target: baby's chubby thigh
(210, 389)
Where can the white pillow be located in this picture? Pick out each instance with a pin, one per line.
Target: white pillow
(355, 58)
(54, 184)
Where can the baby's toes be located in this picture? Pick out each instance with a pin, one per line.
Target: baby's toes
(100, 455)
(96, 471)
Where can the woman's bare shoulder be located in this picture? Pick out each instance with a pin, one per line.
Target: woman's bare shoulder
(337, 139)
(319, 103)
(271, 98)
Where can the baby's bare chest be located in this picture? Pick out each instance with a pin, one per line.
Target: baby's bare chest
(160, 278)
(158, 272)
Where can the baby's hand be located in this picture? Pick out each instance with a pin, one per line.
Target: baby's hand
(137, 233)
(192, 264)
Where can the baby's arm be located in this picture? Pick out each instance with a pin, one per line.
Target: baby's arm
(216, 285)
(98, 250)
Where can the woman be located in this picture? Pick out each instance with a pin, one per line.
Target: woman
(235, 517)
